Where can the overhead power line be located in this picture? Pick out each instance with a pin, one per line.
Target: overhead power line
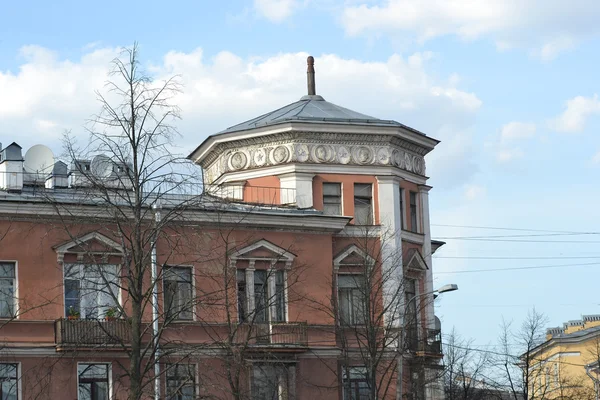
(470, 271)
(518, 258)
(510, 229)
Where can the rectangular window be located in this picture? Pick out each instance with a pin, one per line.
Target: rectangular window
(7, 289)
(261, 299)
(410, 317)
(279, 297)
(269, 305)
(413, 212)
(181, 382)
(93, 381)
(332, 198)
(178, 294)
(351, 295)
(9, 381)
(270, 382)
(402, 209)
(363, 207)
(241, 295)
(355, 383)
(90, 289)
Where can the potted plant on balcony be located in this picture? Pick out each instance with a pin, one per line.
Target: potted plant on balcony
(111, 314)
(73, 313)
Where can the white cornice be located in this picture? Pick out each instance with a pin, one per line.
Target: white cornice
(405, 133)
(412, 237)
(281, 220)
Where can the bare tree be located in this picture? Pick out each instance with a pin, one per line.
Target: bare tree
(133, 194)
(466, 370)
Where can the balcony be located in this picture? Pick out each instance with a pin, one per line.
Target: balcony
(430, 344)
(276, 335)
(82, 333)
(257, 195)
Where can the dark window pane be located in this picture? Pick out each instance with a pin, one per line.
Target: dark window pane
(260, 296)
(351, 296)
(241, 295)
(363, 207)
(181, 382)
(178, 289)
(413, 212)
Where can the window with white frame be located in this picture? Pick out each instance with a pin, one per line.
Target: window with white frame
(8, 284)
(181, 382)
(402, 211)
(178, 293)
(414, 227)
(332, 198)
(93, 382)
(355, 384)
(268, 295)
(271, 381)
(90, 289)
(363, 204)
(9, 380)
(351, 297)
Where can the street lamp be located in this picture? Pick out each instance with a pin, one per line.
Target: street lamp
(450, 287)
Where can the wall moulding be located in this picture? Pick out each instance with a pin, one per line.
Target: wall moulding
(313, 148)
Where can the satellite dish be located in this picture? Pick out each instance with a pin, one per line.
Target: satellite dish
(101, 166)
(38, 159)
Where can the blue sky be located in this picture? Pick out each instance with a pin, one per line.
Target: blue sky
(509, 87)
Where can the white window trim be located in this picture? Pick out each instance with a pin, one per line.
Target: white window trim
(193, 278)
(17, 311)
(337, 294)
(111, 395)
(271, 289)
(403, 208)
(120, 289)
(373, 219)
(341, 195)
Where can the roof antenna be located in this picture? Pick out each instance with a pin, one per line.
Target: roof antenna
(310, 76)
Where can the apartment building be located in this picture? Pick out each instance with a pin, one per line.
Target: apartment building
(300, 270)
(566, 364)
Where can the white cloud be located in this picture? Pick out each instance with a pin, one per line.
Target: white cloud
(507, 155)
(596, 158)
(275, 10)
(528, 24)
(47, 95)
(517, 130)
(578, 109)
(474, 192)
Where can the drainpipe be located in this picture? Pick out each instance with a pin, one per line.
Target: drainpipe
(156, 208)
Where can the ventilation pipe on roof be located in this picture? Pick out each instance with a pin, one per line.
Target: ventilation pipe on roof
(310, 76)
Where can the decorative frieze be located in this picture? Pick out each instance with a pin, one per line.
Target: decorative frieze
(314, 149)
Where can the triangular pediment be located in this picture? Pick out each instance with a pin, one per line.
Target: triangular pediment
(352, 256)
(414, 260)
(92, 243)
(263, 250)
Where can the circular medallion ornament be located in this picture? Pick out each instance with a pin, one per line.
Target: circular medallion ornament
(302, 153)
(322, 153)
(260, 157)
(280, 154)
(397, 157)
(238, 160)
(343, 155)
(383, 156)
(419, 165)
(363, 155)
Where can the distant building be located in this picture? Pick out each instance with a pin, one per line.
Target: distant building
(566, 364)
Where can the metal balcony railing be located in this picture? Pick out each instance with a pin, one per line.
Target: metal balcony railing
(91, 333)
(259, 195)
(429, 342)
(277, 334)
